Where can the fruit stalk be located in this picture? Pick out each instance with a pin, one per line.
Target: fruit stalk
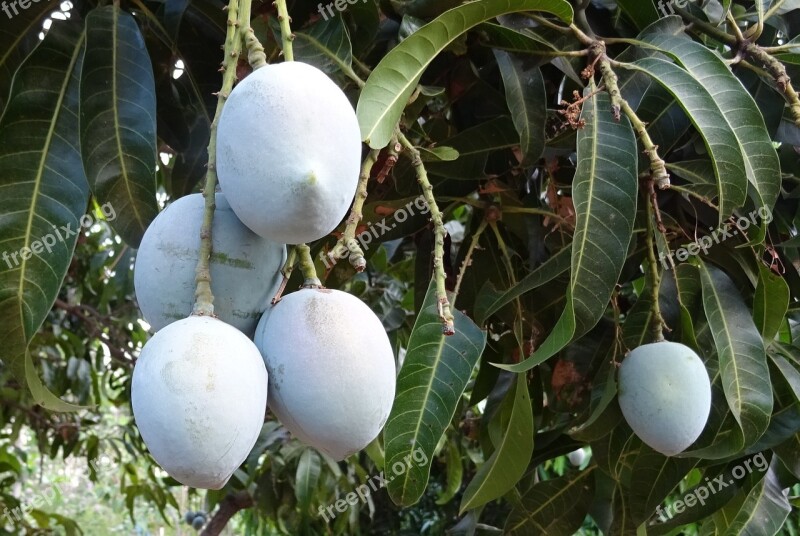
(653, 271)
(204, 299)
(255, 50)
(286, 31)
(348, 240)
(440, 232)
(306, 264)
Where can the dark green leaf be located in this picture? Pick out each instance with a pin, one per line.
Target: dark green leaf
(393, 80)
(604, 196)
(740, 349)
(434, 375)
(44, 193)
(527, 102)
(508, 462)
(554, 507)
(118, 121)
(706, 115)
(770, 302)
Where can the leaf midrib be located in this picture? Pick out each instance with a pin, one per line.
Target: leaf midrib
(40, 172)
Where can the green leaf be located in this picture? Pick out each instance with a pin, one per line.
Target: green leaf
(490, 300)
(43, 193)
(705, 114)
(474, 145)
(434, 375)
(118, 121)
(770, 302)
(527, 101)
(507, 464)
(17, 39)
(741, 354)
(762, 512)
(455, 472)
(553, 507)
(393, 80)
(642, 12)
(307, 478)
(604, 194)
(438, 154)
(325, 45)
(738, 108)
(654, 477)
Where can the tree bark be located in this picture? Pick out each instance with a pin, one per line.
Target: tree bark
(231, 504)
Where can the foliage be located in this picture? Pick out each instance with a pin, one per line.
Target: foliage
(607, 172)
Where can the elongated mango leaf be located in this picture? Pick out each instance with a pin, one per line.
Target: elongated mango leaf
(604, 195)
(738, 108)
(554, 507)
(761, 511)
(43, 193)
(118, 121)
(393, 80)
(527, 100)
(455, 473)
(325, 45)
(474, 145)
(642, 12)
(770, 303)
(433, 378)
(742, 358)
(654, 477)
(307, 478)
(507, 464)
(490, 300)
(705, 114)
(17, 39)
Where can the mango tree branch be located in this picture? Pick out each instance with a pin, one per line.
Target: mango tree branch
(286, 30)
(347, 244)
(658, 169)
(439, 231)
(228, 507)
(204, 299)
(757, 53)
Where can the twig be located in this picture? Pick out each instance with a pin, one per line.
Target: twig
(394, 153)
(288, 267)
(654, 275)
(468, 258)
(439, 231)
(228, 507)
(204, 299)
(658, 169)
(255, 50)
(310, 279)
(286, 31)
(348, 243)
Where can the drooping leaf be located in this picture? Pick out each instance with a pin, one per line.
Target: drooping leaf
(43, 193)
(490, 300)
(455, 473)
(654, 477)
(740, 349)
(508, 462)
(770, 302)
(18, 37)
(307, 477)
(434, 375)
(642, 13)
(760, 511)
(527, 101)
(738, 108)
(118, 121)
(707, 117)
(604, 195)
(393, 80)
(325, 45)
(554, 507)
